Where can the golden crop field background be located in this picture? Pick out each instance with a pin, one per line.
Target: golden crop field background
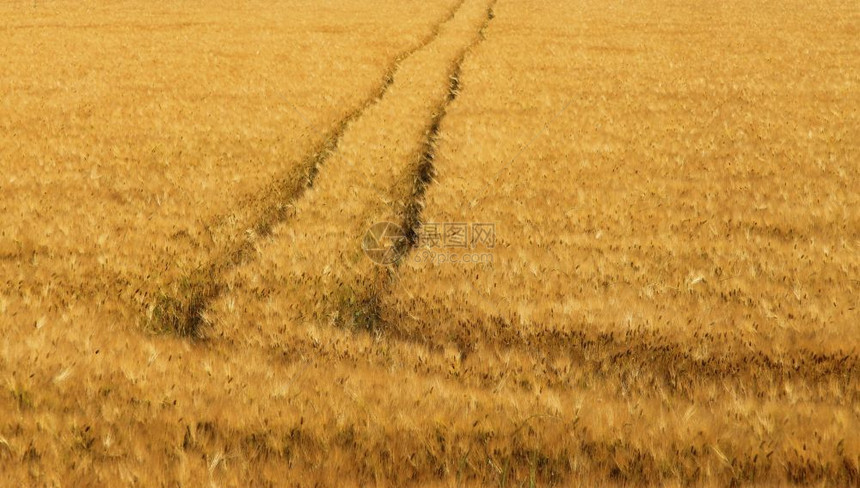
(669, 295)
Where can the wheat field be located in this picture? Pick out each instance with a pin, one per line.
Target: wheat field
(451, 243)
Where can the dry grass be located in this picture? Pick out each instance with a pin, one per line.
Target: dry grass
(673, 294)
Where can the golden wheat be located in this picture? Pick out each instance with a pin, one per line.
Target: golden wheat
(671, 297)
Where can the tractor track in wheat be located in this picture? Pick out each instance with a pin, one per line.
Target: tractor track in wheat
(418, 178)
(178, 306)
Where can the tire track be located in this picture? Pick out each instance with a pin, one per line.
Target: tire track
(640, 360)
(425, 170)
(178, 307)
(318, 272)
(366, 311)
